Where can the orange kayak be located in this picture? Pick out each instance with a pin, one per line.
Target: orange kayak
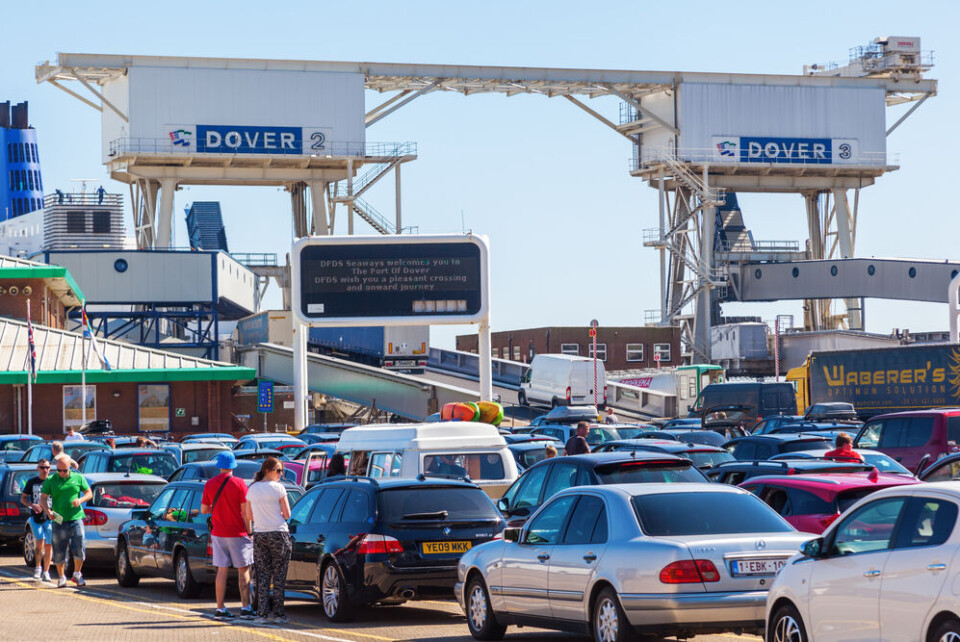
(459, 412)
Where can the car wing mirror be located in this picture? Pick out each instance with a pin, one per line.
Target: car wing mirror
(813, 548)
(511, 535)
(502, 505)
(140, 513)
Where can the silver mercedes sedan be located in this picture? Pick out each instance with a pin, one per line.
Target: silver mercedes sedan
(663, 559)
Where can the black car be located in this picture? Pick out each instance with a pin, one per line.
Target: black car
(837, 410)
(204, 470)
(74, 448)
(147, 461)
(358, 540)
(754, 447)
(13, 514)
(703, 457)
(171, 539)
(736, 472)
(772, 422)
(543, 480)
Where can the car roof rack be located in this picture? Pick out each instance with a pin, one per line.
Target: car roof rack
(425, 476)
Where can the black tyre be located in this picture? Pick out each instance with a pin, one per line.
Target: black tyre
(948, 631)
(29, 548)
(608, 621)
(554, 402)
(187, 587)
(522, 397)
(787, 626)
(480, 617)
(333, 594)
(126, 576)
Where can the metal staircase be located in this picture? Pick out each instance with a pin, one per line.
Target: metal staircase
(375, 219)
(387, 160)
(681, 171)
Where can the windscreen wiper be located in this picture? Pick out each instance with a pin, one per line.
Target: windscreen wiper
(440, 514)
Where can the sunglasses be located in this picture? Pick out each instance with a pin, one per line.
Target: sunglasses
(63, 470)
(278, 470)
(43, 467)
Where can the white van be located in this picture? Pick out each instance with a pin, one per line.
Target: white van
(473, 450)
(562, 380)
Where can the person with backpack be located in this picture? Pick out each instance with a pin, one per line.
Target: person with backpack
(225, 500)
(269, 512)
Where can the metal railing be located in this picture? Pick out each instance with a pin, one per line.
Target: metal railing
(131, 145)
(652, 156)
(760, 246)
(255, 259)
(82, 198)
(369, 213)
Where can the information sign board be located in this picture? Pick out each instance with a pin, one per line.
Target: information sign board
(264, 396)
(391, 280)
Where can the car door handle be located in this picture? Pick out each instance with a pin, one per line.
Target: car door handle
(590, 558)
(872, 573)
(543, 557)
(936, 567)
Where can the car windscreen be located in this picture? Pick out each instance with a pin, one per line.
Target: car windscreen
(884, 463)
(204, 454)
(244, 470)
(80, 447)
(162, 464)
(407, 505)
(848, 498)
(472, 465)
(600, 435)
(709, 513)
(708, 458)
(17, 444)
(19, 479)
(268, 444)
(124, 495)
(530, 457)
(636, 472)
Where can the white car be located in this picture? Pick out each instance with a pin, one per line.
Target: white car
(664, 559)
(885, 570)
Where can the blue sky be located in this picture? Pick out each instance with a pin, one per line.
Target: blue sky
(548, 184)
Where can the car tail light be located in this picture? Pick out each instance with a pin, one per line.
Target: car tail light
(604, 395)
(9, 509)
(94, 517)
(568, 393)
(374, 544)
(388, 364)
(421, 363)
(689, 572)
(826, 521)
(209, 550)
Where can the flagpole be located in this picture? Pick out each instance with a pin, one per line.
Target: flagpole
(29, 384)
(83, 366)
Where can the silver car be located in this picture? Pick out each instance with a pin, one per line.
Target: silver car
(115, 496)
(664, 559)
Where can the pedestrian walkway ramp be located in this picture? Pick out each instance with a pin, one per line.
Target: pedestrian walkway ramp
(405, 395)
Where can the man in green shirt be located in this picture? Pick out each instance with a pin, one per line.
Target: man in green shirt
(67, 492)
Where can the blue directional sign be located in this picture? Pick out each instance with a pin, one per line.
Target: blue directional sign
(264, 396)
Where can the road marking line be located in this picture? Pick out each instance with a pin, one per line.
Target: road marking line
(194, 614)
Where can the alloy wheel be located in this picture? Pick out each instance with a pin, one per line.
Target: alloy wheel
(182, 570)
(478, 607)
(331, 591)
(788, 630)
(950, 636)
(29, 548)
(608, 621)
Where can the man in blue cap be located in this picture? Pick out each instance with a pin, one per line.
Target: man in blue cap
(225, 499)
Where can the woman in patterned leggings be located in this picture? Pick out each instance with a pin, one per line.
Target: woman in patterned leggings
(269, 510)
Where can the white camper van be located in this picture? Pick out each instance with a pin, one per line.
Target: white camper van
(562, 380)
(460, 448)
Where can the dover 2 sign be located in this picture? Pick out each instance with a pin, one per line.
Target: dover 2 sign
(391, 280)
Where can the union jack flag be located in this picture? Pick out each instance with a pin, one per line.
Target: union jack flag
(33, 350)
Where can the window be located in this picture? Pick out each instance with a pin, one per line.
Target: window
(585, 524)
(953, 430)
(570, 348)
(101, 222)
(927, 522)
(301, 511)
(662, 349)
(76, 222)
(397, 466)
(705, 513)
(601, 351)
(472, 465)
(562, 476)
(175, 512)
(871, 435)
(919, 432)
(516, 353)
(412, 503)
(548, 525)
(195, 515)
(868, 529)
(634, 352)
(495, 353)
(159, 506)
(325, 506)
(529, 493)
(356, 507)
(125, 495)
(380, 464)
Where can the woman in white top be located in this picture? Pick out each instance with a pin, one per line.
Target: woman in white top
(267, 514)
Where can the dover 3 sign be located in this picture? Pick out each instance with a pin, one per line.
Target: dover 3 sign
(801, 151)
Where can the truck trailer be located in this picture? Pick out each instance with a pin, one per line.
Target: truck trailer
(401, 348)
(881, 380)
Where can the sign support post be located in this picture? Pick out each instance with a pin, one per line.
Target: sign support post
(299, 369)
(486, 361)
(593, 336)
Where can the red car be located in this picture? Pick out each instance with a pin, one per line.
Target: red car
(910, 436)
(811, 502)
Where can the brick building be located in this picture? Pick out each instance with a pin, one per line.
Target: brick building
(620, 348)
(50, 289)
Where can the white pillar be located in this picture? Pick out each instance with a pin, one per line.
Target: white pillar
(846, 232)
(165, 216)
(486, 361)
(399, 218)
(350, 195)
(318, 197)
(300, 390)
